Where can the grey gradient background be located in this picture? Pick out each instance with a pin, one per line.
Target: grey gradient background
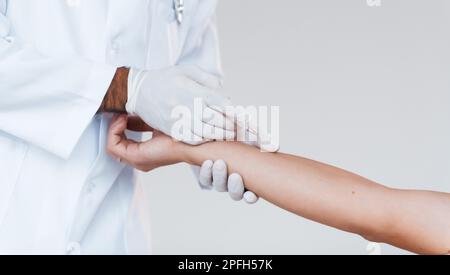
(366, 89)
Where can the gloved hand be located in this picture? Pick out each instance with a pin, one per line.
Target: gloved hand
(214, 175)
(153, 95)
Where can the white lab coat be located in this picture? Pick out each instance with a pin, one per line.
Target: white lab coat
(59, 191)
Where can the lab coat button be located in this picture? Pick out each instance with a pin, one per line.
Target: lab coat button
(115, 47)
(90, 187)
(73, 248)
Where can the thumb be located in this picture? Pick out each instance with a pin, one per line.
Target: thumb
(203, 78)
(118, 144)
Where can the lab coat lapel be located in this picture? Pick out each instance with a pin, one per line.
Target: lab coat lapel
(3, 6)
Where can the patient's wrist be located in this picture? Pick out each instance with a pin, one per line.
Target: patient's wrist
(188, 153)
(185, 152)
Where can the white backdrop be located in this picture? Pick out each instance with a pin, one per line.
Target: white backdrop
(364, 88)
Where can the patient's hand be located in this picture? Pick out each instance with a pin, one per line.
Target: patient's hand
(162, 150)
(159, 151)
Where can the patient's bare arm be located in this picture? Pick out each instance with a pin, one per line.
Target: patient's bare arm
(417, 221)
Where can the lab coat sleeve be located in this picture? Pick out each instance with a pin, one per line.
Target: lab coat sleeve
(202, 46)
(47, 101)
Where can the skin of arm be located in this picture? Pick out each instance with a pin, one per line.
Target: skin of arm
(117, 95)
(418, 221)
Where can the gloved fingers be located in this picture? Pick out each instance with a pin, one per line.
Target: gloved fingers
(220, 175)
(195, 140)
(266, 144)
(215, 106)
(203, 78)
(260, 139)
(202, 130)
(212, 98)
(236, 187)
(217, 119)
(247, 122)
(250, 197)
(214, 133)
(218, 102)
(205, 176)
(263, 141)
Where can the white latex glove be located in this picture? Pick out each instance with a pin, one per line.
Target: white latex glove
(214, 175)
(153, 95)
(248, 125)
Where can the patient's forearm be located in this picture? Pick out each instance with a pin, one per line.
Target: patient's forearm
(413, 220)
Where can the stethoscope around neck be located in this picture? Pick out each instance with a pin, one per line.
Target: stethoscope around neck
(179, 10)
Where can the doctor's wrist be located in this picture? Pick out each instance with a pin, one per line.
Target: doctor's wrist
(116, 97)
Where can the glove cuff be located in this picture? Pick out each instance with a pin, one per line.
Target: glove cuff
(133, 79)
